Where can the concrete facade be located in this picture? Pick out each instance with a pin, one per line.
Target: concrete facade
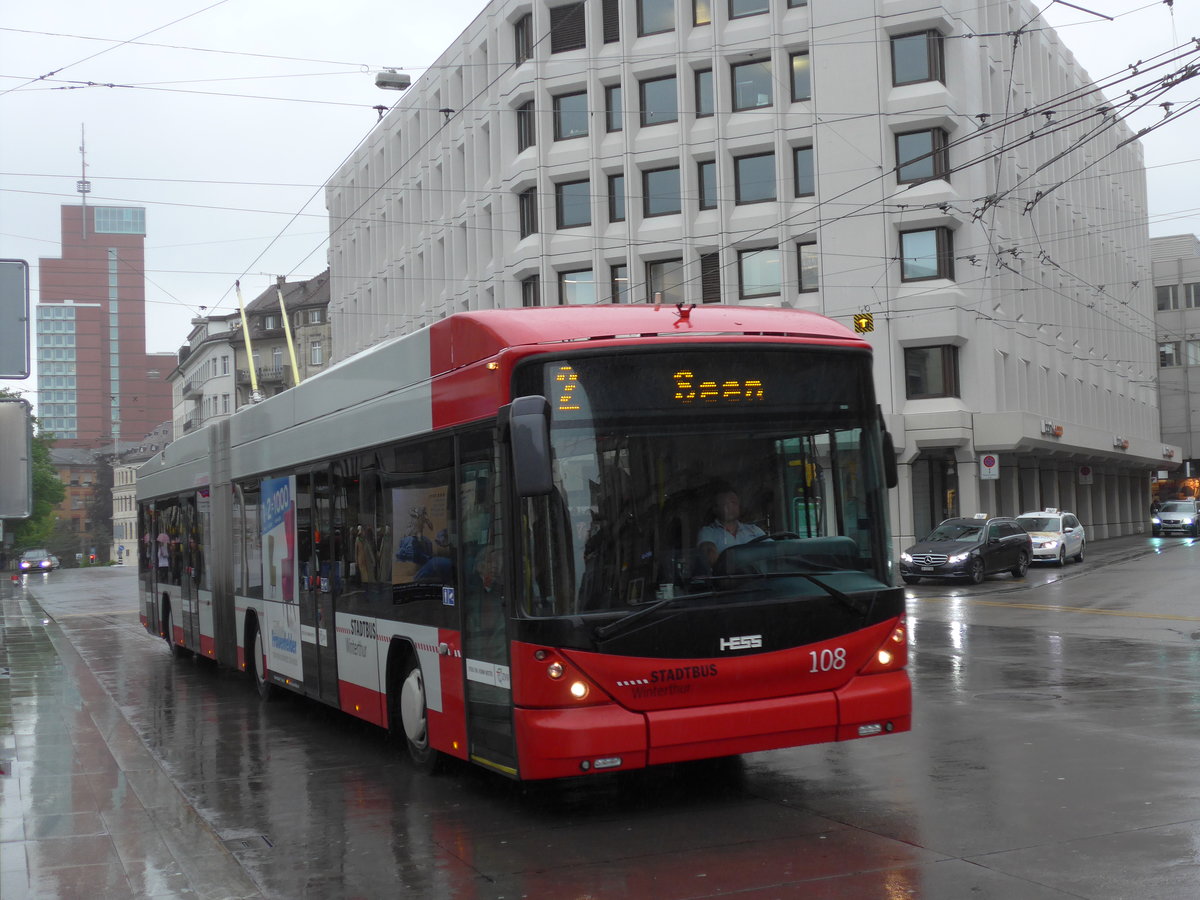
(768, 153)
(1176, 260)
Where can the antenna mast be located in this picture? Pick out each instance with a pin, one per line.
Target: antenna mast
(83, 185)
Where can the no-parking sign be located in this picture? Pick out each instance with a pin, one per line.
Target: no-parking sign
(989, 467)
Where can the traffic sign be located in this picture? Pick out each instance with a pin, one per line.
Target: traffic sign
(989, 467)
(14, 318)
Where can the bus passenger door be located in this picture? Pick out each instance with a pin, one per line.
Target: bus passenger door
(485, 606)
(314, 544)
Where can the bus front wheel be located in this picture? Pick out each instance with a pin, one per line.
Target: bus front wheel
(413, 717)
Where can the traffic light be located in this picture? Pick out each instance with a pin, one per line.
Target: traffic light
(91, 557)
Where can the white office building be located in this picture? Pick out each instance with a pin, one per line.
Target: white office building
(911, 162)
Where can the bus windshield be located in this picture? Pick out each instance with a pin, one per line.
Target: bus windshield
(694, 473)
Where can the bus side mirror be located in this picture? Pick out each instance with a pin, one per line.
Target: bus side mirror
(529, 442)
(891, 475)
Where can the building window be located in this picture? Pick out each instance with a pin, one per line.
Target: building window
(664, 281)
(927, 253)
(270, 322)
(655, 16)
(707, 177)
(119, 220)
(660, 101)
(523, 38)
(527, 208)
(573, 203)
(802, 171)
(1168, 354)
(614, 117)
(701, 12)
(1191, 295)
(705, 98)
(751, 85)
(526, 126)
(660, 192)
(570, 116)
(921, 155)
(224, 365)
(710, 277)
(801, 77)
(530, 291)
(568, 28)
(1192, 348)
(741, 8)
(917, 57)
(808, 265)
(619, 283)
(931, 371)
(754, 177)
(616, 198)
(792, 4)
(1167, 297)
(225, 397)
(759, 273)
(611, 13)
(577, 288)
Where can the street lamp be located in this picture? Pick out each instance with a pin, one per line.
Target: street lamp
(391, 80)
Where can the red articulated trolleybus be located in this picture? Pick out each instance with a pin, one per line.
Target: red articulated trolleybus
(553, 541)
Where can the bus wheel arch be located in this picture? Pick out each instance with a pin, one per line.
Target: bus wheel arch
(168, 626)
(256, 658)
(408, 711)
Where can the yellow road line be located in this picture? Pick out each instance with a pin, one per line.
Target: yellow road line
(1070, 609)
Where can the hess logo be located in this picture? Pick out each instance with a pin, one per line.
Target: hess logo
(742, 642)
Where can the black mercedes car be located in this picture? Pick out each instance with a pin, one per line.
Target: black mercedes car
(969, 548)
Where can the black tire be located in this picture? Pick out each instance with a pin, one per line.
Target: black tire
(911, 579)
(409, 720)
(1079, 555)
(258, 665)
(975, 571)
(1022, 566)
(1062, 556)
(178, 651)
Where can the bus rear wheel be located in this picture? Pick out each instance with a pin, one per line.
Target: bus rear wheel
(412, 717)
(258, 665)
(177, 650)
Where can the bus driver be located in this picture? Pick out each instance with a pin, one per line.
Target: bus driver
(726, 530)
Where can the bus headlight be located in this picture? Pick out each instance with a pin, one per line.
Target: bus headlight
(555, 670)
(579, 690)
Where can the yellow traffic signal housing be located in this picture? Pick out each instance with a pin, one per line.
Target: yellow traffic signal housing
(864, 322)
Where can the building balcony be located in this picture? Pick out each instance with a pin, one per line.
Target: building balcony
(189, 424)
(192, 388)
(265, 375)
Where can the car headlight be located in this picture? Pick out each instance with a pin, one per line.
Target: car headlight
(1155, 520)
(1050, 544)
(906, 557)
(959, 557)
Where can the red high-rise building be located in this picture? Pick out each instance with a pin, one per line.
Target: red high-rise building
(96, 382)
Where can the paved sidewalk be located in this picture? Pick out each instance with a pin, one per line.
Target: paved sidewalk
(85, 809)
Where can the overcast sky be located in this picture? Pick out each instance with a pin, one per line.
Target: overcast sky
(224, 119)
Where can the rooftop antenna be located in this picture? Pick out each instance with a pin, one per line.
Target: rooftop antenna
(83, 185)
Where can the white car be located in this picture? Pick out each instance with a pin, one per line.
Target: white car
(1057, 535)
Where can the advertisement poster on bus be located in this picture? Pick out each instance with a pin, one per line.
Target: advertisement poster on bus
(421, 549)
(278, 524)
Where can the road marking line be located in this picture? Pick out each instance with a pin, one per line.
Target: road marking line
(1072, 609)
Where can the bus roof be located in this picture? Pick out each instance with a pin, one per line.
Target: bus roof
(467, 337)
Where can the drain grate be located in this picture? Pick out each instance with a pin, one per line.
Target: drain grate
(254, 842)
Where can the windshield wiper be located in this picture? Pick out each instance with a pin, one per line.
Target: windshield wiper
(844, 599)
(606, 631)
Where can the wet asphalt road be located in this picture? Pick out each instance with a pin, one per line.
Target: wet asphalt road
(1054, 753)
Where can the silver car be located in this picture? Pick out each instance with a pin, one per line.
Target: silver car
(1057, 535)
(1177, 517)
